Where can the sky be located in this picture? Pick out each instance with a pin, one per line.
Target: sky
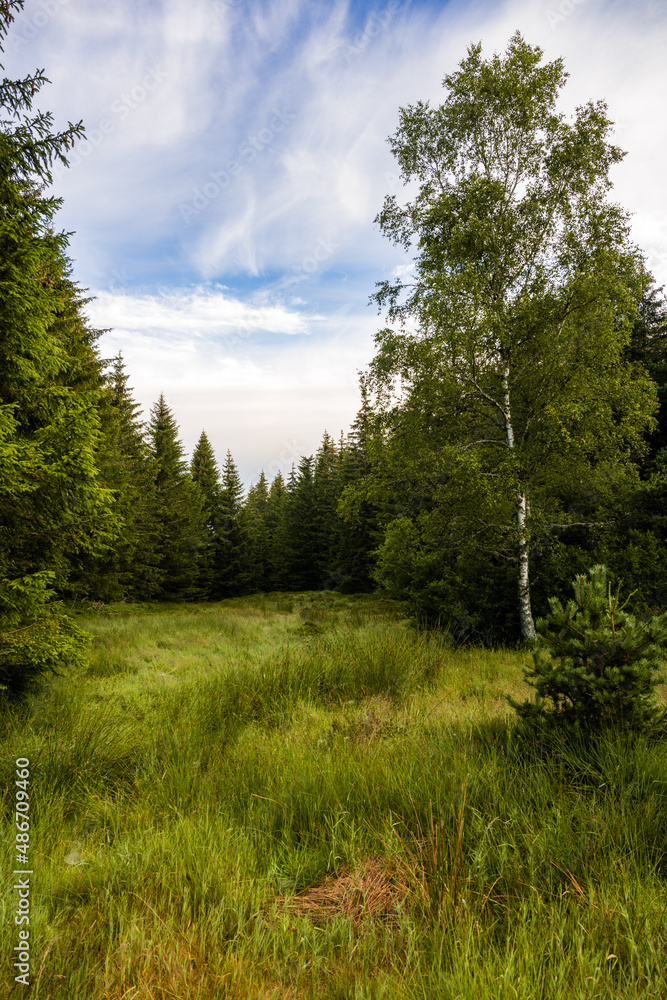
(221, 206)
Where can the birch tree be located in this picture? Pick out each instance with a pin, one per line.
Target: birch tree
(508, 332)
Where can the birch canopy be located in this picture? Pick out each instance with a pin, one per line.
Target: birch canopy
(506, 346)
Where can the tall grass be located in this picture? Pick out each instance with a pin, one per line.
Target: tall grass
(301, 797)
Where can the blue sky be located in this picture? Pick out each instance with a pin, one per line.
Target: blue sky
(222, 205)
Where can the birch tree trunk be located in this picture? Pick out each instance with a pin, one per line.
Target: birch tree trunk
(523, 582)
(523, 579)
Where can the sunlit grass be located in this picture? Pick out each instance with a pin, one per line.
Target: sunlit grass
(300, 796)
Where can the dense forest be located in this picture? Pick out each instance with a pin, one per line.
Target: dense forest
(512, 428)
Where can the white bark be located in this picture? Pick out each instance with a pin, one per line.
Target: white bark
(523, 584)
(523, 581)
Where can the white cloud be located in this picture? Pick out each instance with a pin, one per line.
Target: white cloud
(228, 67)
(404, 271)
(201, 313)
(255, 376)
(297, 217)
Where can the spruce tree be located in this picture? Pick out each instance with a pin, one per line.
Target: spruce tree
(231, 542)
(357, 533)
(596, 664)
(303, 572)
(52, 505)
(649, 346)
(326, 491)
(258, 552)
(179, 508)
(206, 475)
(138, 554)
(276, 524)
(131, 567)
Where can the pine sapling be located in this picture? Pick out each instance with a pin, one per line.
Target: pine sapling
(596, 664)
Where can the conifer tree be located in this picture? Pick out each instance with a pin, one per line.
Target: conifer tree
(206, 475)
(50, 379)
(231, 491)
(302, 569)
(596, 665)
(284, 539)
(258, 552)
(131, 567)
(230, 563)
(276, 524)
(648, 345)
(326, 491)
(138, 552)
(52, 505)
(179, 507)
(357, 533)
(205, 472)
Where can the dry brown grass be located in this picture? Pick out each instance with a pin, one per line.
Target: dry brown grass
(374, 890)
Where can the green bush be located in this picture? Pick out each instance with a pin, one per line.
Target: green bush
(36, 636)
(596, 665)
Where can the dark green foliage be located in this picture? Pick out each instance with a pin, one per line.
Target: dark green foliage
(230, 539)
(231, 490)
(302, 566)
(131, 567)
(597, 665)
(649, 346)
(50, 382)
(310, 545)
(326, 490)
(276, 524)
(178, 508)
(205, 474)
(258, 575)
(630, 547)
(36, 636)
(463, 591)
(356, 536)
(54, 511)
(131, 474)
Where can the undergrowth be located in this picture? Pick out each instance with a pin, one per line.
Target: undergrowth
(228, 804)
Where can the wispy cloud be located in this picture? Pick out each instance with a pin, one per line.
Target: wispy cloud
(255, 375)
(197, 313)
(202, 143)
(296, 218)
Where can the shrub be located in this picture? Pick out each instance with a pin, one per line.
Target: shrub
(36, 636)
(595, 664)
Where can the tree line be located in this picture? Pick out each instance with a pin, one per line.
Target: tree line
(191, 533)
(513, 422)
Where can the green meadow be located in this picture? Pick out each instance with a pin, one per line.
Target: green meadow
(301, 796)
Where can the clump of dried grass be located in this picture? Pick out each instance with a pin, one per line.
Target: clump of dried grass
(375, 890)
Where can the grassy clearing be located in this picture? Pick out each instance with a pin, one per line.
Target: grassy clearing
(300, 797)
